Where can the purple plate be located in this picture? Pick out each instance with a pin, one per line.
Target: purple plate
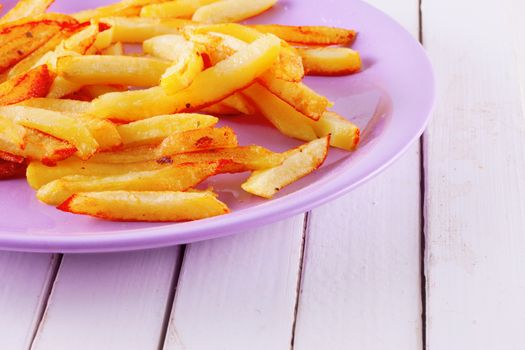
(391, 100)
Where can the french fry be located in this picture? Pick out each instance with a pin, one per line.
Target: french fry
(9, 170)
(344, 134)
(197, 140)
(57, 105)
(103, 131)
(55, 124)
(291, 123)
(94, 91)
(283, 116)
(330, 61)
(239, 103)
(26, 8)
(11, 136)
(234, 73)
(169, 46)
(117, 49)
(103, 40)
(35, 83)
(238, 159)
(127, 70)
(20, 39)
(231, 10)
(174, 9)
(289, 64)
(298, 163)
(170, 178)
(62, 87)
(122, 8)
(137, 154)
(39, 146)
(39, 174)
(154, 130)
(297, 95)
(145, 206)
(139, 29)
(309, 35)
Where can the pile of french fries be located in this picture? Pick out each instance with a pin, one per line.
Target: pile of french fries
(129, 137)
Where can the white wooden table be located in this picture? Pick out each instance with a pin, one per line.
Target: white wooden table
(429, 255)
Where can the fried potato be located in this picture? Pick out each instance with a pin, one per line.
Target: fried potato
(154, 130)
(103, 131)
(145, 206)
(330, 61)
(122, 8)
(39, 146)
(283, 116)
(298, 163)
(291, 123)
(127, 70)
(309, 35)
(57, 105)
(62, 87)
(220, 109)
(26, 8)
(170, 178)
(139, 29)
(35, 83)
(238, 159)
(231, 10)
(94, 91)
(239, 103)
(9, 170)
(11, 136)
(287, 67)
(344, 134)
(174, 9)
(117, 49)
(19, 39)
(187, 60)
(39, 174)
(55, 124)
(136, 154)
(297, 95)
(197, 140)
(234, 73)
(103, 40)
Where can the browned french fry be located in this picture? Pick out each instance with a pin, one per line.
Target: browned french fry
(309, 35)
(34, 83)
(231, 10)
(197, 140)
(330, 61)
(26, 8)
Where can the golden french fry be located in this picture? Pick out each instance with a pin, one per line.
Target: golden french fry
(239, 103)
(231, 10)
(139, 29)
(170, 178)
(288, 66)
(38, 146)
(219, 108)
(197, 140)
(39, 174)
(62, 87)
(154, 130)
(34, 83)
(103, 40)
(117, 49)
(122, 8)
(11, 136)
(169, 46)
(94, 91)
(233, 73)
(57, 105)
(309, 35)
(145, 206)
(55, 124)
(330, 61)
(236, 159)
(298, 163)
(26, 8)
(127, 70)
(103, 131)
(174, 9)
(344, 134)
(143, 153)
(284, 117)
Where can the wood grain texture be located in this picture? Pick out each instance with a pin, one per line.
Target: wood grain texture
(109, 301)
(475, 161)
(25, 281)
(239, 292)
(361, 285)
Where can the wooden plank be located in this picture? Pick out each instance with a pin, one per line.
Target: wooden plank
(239, 292)
(109, 301)
(361, 285)
(475, 161)
(25, 281)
